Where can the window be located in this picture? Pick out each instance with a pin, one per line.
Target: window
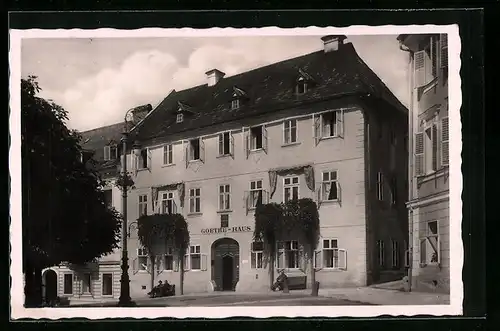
(330, 187)
(142, 259)
(235, 104)
(330, 254)
(168, 259)
(256, 135)
(110, 152)
(301, 87)
(195, 200)
(256, 193)
(427, 148)
(394, 191)
(168, 154)
(224, 220)
(426, 63)
(289, 132)
(144, 159)
(108, 198)
(168, 204)
(107, 284)
(143, 205)
(407, 254)
(395, 254)
(87, 283)
(194, 149)
(180, 118)
(380, 186)
(328, 125)
(445, 141)
(195, 257)
(430, 245)
(290, 188)
(257, 255)
(68, 284)
(381, 253)
(225, 143)
(288, 254)
(224, 197)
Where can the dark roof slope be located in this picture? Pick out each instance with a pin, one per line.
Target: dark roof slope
(95, 140)
(268, 88)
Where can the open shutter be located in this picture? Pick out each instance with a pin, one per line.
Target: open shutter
(107, 153)
(221, 144)
(231, 144)
(444, 51)
(202, 150)
(318, 260)
(419, 68)
(339, 191)
(319, 194)
(246, 201)
(159, 264)
(342, 259)
(317, 128)
(186, 154)
(445, 141)
(434, 147)
(419, 154)
(246, 142)
(150, 159)
(340, 123)
(264, 138)
(187, 265)
(203, 262)
(135, 265)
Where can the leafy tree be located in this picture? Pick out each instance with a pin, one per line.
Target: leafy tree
(294, 219)
(65, 217)
(158, 231)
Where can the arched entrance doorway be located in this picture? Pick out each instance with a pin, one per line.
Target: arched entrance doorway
(225, 261)
(50, 285)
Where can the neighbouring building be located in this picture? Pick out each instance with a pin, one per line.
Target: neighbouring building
(99, 280)
(428, 204)
(321, 126)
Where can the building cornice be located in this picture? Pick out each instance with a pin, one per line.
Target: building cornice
(425, 201)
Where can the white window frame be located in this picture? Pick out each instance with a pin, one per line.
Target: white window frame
(142, 204)
(195, 250)
(142, 253)
(426, 241)
(380, 186)
(335, 255)
(85, 274)
(102, 284)
(395, 250)
(256, 256)
(290, 186)
(288, 125)
(110, 152)
(194, 195)
(221, 146)
(169, 252)
(235, 103)
(224, 197)
(165, 198)
(72, 292)
(326, 184)
(253, 138)
(253, 203)
(221, 216)
(287, 247)
(301, 82)
(191, 153)
(179, 118)
(144, 161)
(168, 154)
(381, 253)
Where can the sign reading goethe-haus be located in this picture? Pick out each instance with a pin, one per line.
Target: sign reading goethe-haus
(233, 229)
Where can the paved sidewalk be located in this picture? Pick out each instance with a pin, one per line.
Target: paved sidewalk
(378, 296)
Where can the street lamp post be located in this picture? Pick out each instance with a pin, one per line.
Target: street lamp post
(125, 300)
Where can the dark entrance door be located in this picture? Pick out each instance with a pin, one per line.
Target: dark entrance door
(227, 273)
(225, 264)
(50, 286)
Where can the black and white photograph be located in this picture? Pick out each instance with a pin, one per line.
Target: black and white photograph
(311, 172)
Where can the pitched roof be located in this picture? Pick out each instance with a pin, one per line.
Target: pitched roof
(268, 88)
(95, 140)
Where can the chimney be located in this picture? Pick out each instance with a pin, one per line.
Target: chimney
(332, 43)
(139, 113)
(214, 76)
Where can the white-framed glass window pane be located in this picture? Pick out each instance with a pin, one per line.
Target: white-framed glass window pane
(195, 257)
(168, 154)
(256, 193)
(143, 205)
(329, 186)
(194, 200)
(224, 197)
(235, 104)
(291, 188)
(289, 131)
(168, 261)
(180, 118)
(329, 124)
(257, 255)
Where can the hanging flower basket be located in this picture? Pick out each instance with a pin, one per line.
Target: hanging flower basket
(125, 179)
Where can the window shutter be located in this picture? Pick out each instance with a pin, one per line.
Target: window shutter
(202, 150)
(264, 138)
(135, 265)
(317, 129)
(187, 154)
(419, 65)
(246, 138)
(318, 260)
(444, 51)
(150, 159)
(419, 154)
(221, 144)
(342, 253)
(445, 143)
(340, 123)
(434, 147)
(203, 262)
(187, 265)
(319, 194)
(231, 144)
(339, 191)
(246, 201)
(107, 152)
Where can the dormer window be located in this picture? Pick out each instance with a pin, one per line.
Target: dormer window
(301, 87)
(110, 152)
(303, 83)
(235, 104)
(180, 118)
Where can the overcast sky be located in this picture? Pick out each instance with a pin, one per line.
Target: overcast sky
(97, 80)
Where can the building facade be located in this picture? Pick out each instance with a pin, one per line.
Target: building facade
(429, 159)
(320, 126)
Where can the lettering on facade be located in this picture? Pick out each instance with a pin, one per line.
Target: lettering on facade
(233, 229)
